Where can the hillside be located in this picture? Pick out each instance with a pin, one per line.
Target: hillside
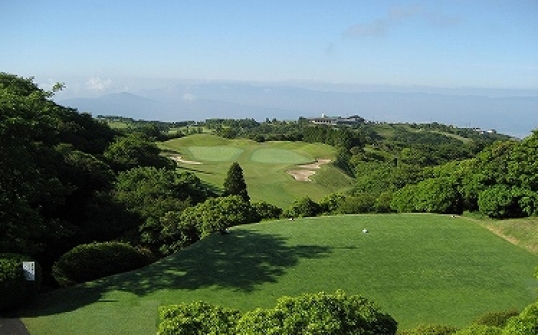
(420, 268)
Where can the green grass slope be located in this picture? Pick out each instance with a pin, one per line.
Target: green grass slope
(265, 166)
(420, 268)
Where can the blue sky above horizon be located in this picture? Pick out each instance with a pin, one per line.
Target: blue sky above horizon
(98, 45)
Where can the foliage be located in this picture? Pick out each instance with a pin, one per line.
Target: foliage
(91, 261)
(378, 177)
(313, 314)
(330, 203)
(498, 201)
(234, 184)
(51, 172)
(217, 214)
(526, 323)
(319, 313)
(150, 193)
(403, 200)
(496, 319)
(197, 318)
(481, 330)
(266, 211)
(430, 330)
(348, 204)
(196, 222)
(135, 150)
(382, 203)
(303, 207)
(15, 290)
(437, 195)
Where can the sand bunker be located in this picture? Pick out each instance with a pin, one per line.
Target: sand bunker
(304, 175)
(184, 161)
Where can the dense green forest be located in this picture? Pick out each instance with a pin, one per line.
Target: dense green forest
(68, 179)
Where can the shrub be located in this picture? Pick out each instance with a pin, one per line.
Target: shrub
(197, 318)
(313, 314)
(496, 319)
(480, 330)
(430, 330)
(498, 202)
(525, 323)
(382, 203)
(319, 313)
(265, 211)
(15, 290)
(304, 207)
(361, 203)
(91, 261)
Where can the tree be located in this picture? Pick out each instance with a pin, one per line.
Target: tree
(437, 195)
(196, 222)
(499, 202)
(234, 184)
(150, 193)
(403, 200)
(135, 150)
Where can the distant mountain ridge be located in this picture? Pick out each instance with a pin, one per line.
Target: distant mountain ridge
(513, 115)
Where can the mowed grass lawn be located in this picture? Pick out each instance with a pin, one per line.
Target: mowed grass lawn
(420, 268)
(264, 165)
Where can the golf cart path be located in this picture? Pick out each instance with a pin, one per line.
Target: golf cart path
(12, 327)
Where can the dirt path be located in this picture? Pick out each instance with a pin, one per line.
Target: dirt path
(307, 170)
(12, 327)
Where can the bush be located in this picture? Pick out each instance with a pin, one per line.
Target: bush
(197, 318)
(498, 202)
(361, 203)
(15, 290)
(481, 330)
(318, 314)
(313, 314)
(266, 211)
(87, 262)
(430, 330)
(525, 323)
(496, 319)
(304, 207)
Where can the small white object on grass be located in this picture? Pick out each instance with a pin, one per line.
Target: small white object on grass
(365, 231)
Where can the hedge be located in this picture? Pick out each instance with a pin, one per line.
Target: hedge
(92, 261)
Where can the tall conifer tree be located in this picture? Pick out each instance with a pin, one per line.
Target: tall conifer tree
(235, 182)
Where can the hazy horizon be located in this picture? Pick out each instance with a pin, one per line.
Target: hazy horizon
(450, 47)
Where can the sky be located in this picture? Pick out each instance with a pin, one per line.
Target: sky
(97, 46)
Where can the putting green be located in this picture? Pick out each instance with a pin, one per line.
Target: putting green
(279, 156)
(215, 153)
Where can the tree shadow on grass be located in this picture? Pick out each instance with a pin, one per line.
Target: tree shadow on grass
(240, 261)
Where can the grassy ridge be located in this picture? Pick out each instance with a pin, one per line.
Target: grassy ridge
(420, 268)
(264, 166)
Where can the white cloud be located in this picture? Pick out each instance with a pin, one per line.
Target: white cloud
(98, 84)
